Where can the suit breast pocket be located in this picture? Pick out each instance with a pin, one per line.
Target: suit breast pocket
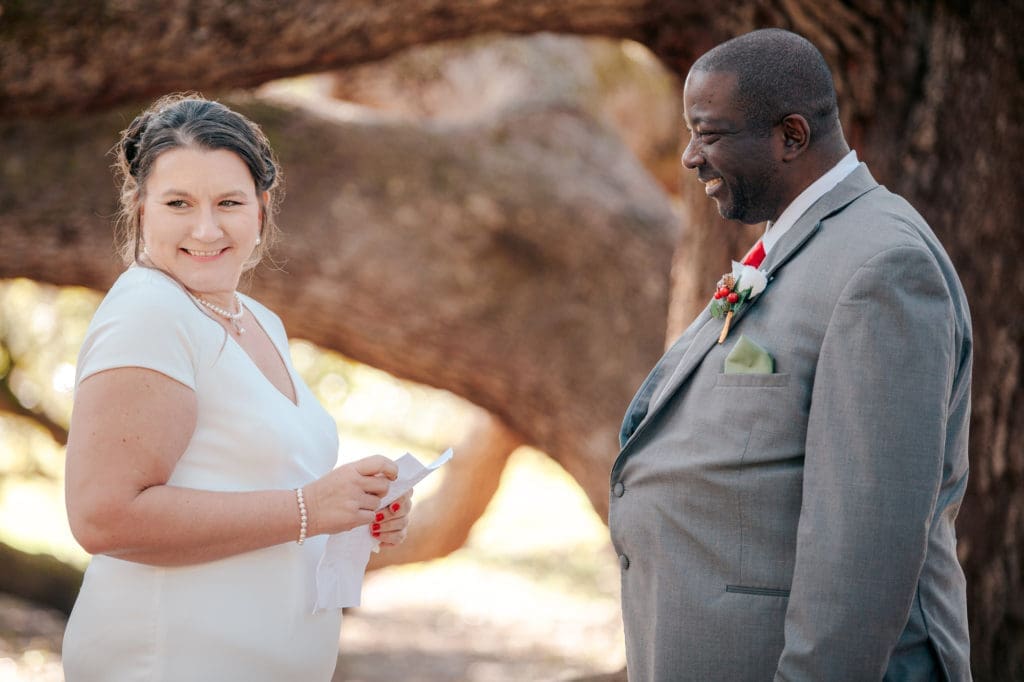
(731, 410)
(773, 409)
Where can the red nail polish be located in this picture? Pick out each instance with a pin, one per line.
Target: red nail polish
(375, 533)
(395, 507)
(375, 527)
(380, 516)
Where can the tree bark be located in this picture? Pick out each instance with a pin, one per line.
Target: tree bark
(957, 160)
(63, 56)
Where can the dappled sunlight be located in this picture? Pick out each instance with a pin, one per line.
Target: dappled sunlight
(32, 519)
(41, 329)
(538, 507)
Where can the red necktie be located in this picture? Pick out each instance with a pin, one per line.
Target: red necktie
(755, 255)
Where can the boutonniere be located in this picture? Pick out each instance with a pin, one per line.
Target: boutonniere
(733, 290)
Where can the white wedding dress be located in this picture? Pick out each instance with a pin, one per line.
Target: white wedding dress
(247, 617)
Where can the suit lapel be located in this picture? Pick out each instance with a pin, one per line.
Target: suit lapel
(655, 381)
(703, 340)
(853, 186)
(842, 195)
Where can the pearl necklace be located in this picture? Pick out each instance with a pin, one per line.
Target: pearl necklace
(231, 317)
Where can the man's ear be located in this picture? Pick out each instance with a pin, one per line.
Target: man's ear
(796, 135)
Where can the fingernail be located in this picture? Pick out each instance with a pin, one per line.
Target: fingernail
(380, 516)
(375, 527)
(395, 507)
(375, 533)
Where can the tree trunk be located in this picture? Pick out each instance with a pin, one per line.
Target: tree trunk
(957, 160)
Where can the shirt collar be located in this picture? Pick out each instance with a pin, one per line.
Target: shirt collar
(773, 231)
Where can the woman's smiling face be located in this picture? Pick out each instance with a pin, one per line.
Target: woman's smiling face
(200, 219)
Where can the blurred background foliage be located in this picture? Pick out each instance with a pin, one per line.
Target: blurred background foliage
(41, 328)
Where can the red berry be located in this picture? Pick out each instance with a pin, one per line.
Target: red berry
(723, 292)
(733, 297)
(718, 295)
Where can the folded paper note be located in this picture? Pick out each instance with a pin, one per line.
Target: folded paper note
(747, 357)
(339, 575)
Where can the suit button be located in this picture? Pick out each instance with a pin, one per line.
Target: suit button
(619, 489)
(623, 561)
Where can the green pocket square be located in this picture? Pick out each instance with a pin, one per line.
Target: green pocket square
(747, 357)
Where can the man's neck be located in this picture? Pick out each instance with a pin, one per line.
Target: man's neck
(814, 166)
(821, 185)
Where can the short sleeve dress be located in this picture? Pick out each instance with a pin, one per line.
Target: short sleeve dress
(250, 616)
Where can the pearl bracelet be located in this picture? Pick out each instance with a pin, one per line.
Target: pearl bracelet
(303, 517)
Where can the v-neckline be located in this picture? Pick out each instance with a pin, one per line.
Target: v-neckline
(278, 350)
(280, 353)
(280, 357)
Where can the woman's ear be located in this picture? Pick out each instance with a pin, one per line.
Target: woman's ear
(796, 134)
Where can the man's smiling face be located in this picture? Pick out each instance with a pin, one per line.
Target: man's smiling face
(738, 162)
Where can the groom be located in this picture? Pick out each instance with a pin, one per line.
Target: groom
(784, 501)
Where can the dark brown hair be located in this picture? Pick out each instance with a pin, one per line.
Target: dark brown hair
(190, 120)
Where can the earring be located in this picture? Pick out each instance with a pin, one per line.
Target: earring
(259, 240)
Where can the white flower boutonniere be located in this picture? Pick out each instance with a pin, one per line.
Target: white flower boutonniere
(733, 290)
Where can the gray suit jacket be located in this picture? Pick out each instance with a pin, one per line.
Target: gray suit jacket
(800, 525)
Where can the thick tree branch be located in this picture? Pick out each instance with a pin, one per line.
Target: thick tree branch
(63, 56)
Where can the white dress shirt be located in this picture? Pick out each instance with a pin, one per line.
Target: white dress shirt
(817, 189)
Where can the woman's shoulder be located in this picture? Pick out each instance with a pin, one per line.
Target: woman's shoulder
(267, 317)
(145, 302)
(145, 291)
(144, 321)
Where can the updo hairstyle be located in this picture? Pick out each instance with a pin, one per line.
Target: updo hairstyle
(189, 120)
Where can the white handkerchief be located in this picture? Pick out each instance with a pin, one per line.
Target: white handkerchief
(339, 575)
